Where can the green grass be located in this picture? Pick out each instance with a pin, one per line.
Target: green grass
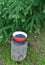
(35, 52)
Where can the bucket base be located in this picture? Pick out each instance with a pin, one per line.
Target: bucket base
(18, 50)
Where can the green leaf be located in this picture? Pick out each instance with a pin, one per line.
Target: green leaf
(32, 24)
(1, 37)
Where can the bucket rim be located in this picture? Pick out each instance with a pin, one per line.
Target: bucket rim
(19, 32)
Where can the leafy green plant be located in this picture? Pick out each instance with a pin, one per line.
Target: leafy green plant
(24, 15)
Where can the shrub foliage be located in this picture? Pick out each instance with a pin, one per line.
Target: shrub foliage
(24, 15)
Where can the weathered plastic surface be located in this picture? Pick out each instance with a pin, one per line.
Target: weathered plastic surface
(18, 50)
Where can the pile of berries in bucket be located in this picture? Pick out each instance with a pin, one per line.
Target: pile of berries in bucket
(19, 36)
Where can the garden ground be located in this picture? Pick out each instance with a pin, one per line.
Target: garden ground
(35, 52)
